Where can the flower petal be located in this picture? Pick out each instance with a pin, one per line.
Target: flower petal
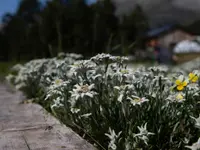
(89, 94)
(191, 75)
(180, 87)
(178, 82)
(184, 83)
(195, 79)
(179, 96)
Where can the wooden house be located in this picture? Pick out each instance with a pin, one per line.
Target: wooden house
(168, 34)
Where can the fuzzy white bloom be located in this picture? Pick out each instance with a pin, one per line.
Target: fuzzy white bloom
(56, 88)
(57, 82)
(86, 115)
(16, 67)
(123, 90)
(113, 137)
(159, 69)
(74, 55)
(135, 100)
(82, 66)
(197, 121)
(176, 97)
(83, 90)
(20, 86)
(58, 102)
(101, 58)
(75, 110)
(143, 133)
(121, 74)
(195, 146)
(10, 77)
(193, 87)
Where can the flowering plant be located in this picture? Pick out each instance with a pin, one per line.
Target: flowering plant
(109, 101)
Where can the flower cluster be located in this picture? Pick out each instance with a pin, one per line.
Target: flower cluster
(104, 93)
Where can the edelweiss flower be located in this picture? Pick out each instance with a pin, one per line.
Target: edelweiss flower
(74, 110)
(82, 91)
(179, 97)
(74, 55)
(113, 137)
(123, 89)
(159, 69)
(101, 58)
(82, 66)
(181, 83)
(176, 97)
(137, 100)
(195, 146)
(58, 102)
(10, 78)
(143, 134)
(123, 74)
(197, 121)
(58, 82)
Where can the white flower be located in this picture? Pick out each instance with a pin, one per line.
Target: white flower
(58, 82)
(82, 66)
(20, 86)
(57, 88)
(74, 110)
(159, 69)
(193, 89)
(57, 102)
(86, 115)
(61, 55)
(143, 133)
(74, 55)
(197, 121)
(10, 77)
(123, 74)
(113, 137)
(16, 67)
(137, 100)
(101, 58)
(195, 146)
(123, 89)
(176, 97)
(82, 91)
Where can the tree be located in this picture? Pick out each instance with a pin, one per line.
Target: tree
(68, 26)
(105, 24)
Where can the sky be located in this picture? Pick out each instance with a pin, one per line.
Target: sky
(8, 6)
(91, 1)
(11, 6)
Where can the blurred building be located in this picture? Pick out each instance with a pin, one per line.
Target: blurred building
(168, 34)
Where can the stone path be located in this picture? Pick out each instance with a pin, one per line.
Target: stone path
(30, 127)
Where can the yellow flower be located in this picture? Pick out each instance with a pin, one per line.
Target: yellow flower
(180, 84)
(193, 77)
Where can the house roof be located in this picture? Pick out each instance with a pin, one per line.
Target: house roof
(157, 31)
